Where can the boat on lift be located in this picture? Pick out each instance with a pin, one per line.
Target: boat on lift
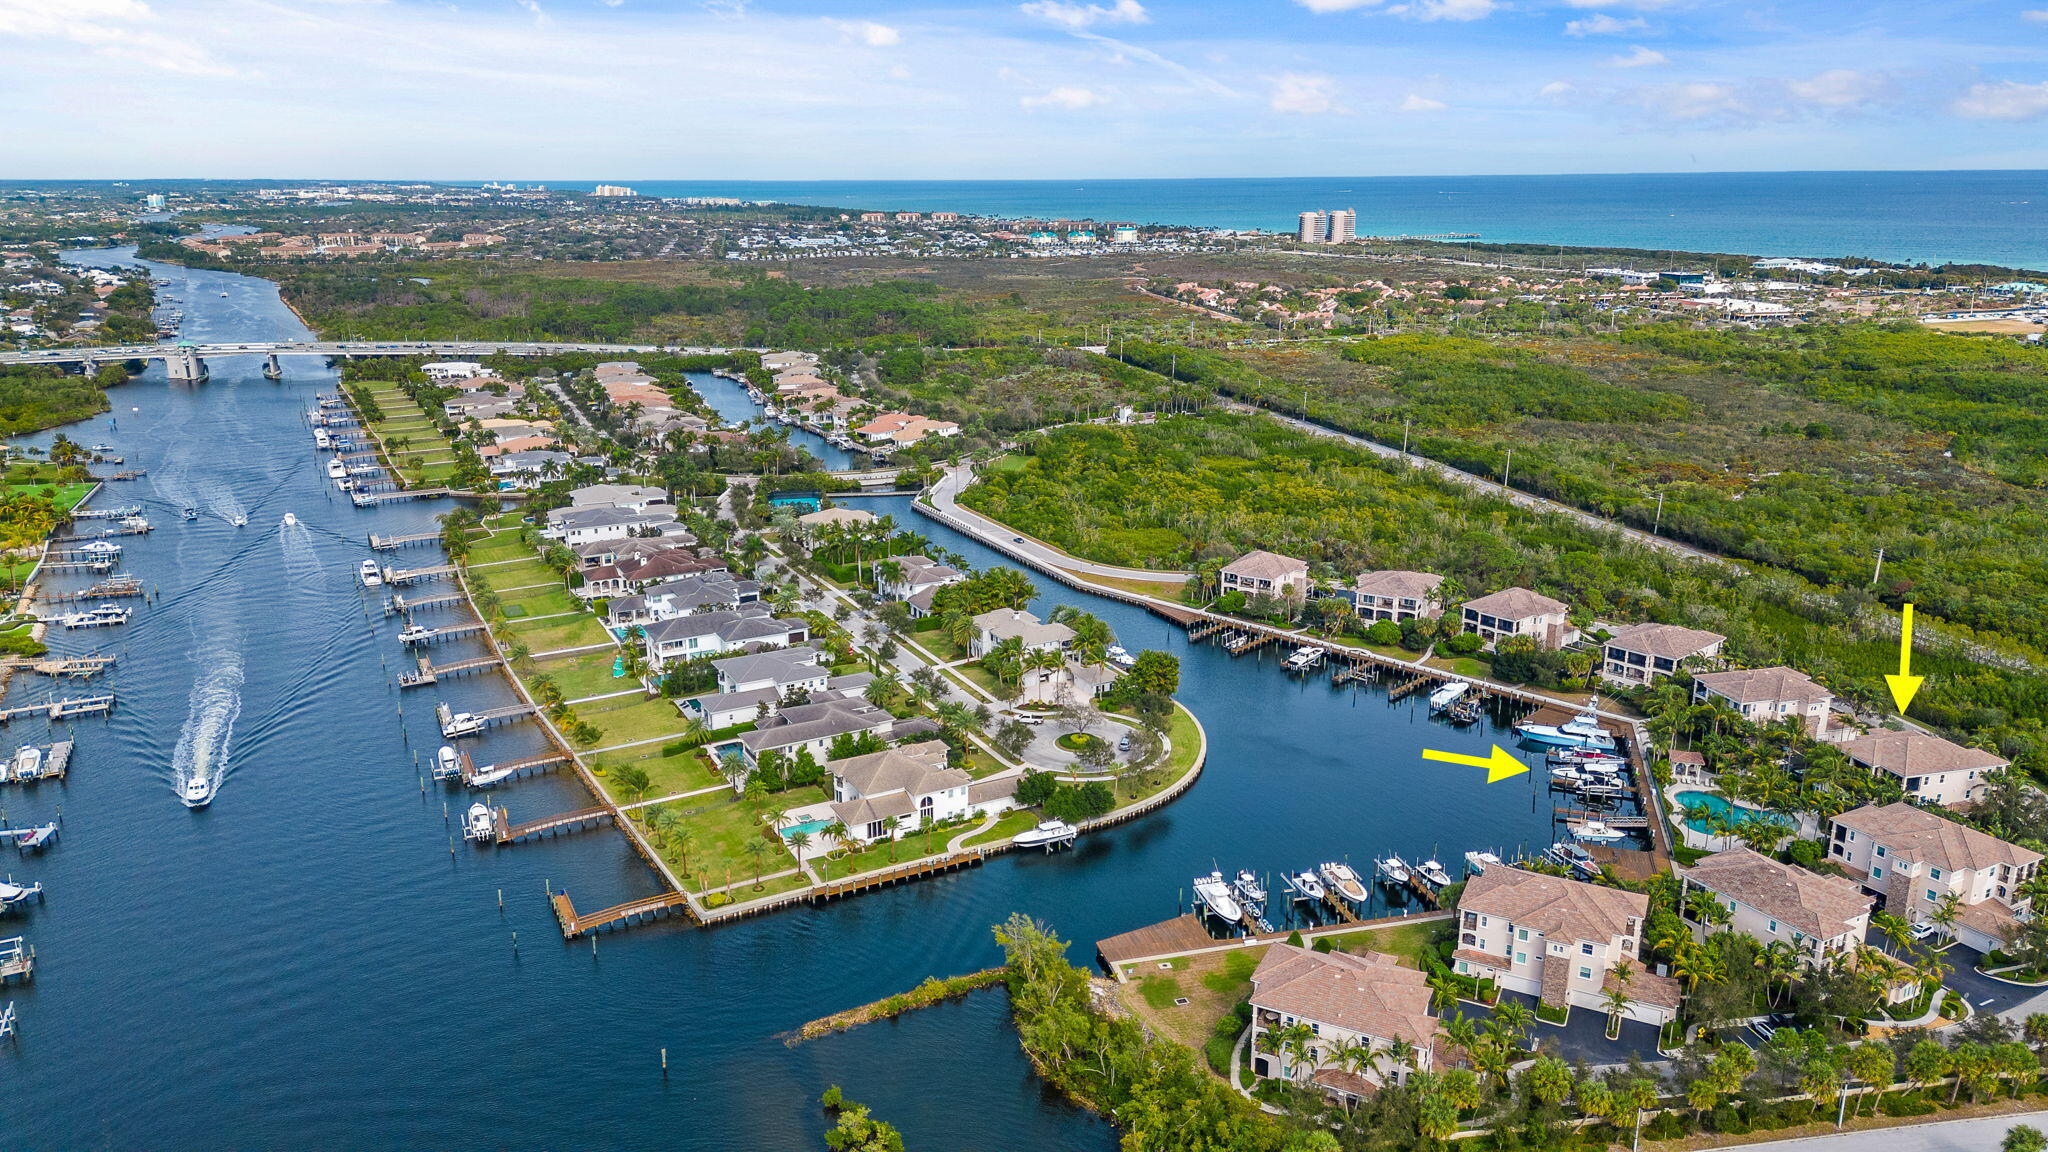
(27, 764)
(101, 549)
(447, 763)
(1309, 885)
(1595, 832)
(1478, 862)
(370, 574)
(416, 633)
(479, 824)
(1215, 894)
(1448, 694)
(1581, 731)
(1343, 881)
(1303, 658)
(1120, 656)
(12, 893)
(1394, 870)
(1433, 873)
(1249, 889)
(462, 724)
(1049, 835)
(101, 617)
(135, 524)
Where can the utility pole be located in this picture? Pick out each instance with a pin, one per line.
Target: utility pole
(1880, 568)
(1504, 466)
(1406, 423)
(1660, 515)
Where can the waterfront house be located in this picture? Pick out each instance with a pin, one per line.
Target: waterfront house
(809, 727)
(1764, 695)
(680, 597)
(446, 370)
(917, 574)
(719, 633)
(1913, 858)
(1072, 682)
(777, 361)
(527, 470)
(910, 785)
(754, 686)
(602, 522)
(634, 549)
(518, 444)
(1639, 653)
(1368, 999)
(1820, 916)
(1931, 770)
(632, 574)
(802, 667)
(1268, 574)
(629, 497)
(1397, 594)
(902, 428)
(811, 525)
(992, 628)
(1563, 941)
(1519, 612)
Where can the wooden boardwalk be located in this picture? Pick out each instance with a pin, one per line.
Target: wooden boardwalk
(112, 588)
(900, 874)
(398, 577)
(510, 833)
(74, 667)
(67, 709)
(510, 769)
(405, 606)
(392, 543)
(617, 916)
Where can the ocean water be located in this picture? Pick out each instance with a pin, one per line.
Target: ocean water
(1995, 217)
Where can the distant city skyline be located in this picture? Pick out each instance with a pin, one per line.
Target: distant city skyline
(627, 90)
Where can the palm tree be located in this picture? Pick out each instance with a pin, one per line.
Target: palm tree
(798, 841)
(758, 849)
(890, 827)
(1945, 913)
(839, 834)
(1515, 1017)
(1463, 1034)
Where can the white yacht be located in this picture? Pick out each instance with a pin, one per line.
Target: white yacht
(197, 791)
(26, 763)
(321, 439)
(1214, 892)
(12, 893)
(239, 519)
(1478, 862)
(100, 617)
(336, 469)
(1596, 832)
(1432, 872)
(479, 825)
(1395, 870)
(1447, 695)
(98, 548)
(369, 574)
(291, 520)
(1049, 834)
(1343, 881)
(1120, 656)
(1303, 659)
(1308, 884)
(1581, 731)
(462, 724)
(415, 633)
(135, 523)
(448, 762)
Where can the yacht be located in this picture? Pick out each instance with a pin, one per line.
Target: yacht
(1394, 870)
(1343, 881)
(1308, 884)
(1574, 857)
(291, 520)
(26, 763)
(1433, 873)
(12, 893)
(102, 548)
(1581, 731)
(1478, 862)
(197, 791)
(462, 724)
(321, 439)
(1249, 888)
(336, 469)
(1214, 893)
(479, 825)
(414, 633)
(1596, 832)
(1585, 756)
(1120, 656)
(135, 524)
(1049, 834)
(369, 574)
(100, 617)
(1303, 659)
(1447, 695)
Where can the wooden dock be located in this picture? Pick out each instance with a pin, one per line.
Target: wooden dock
(509, 769)
(393, 543)
(77, 562)
(17, 958)
(55, 763)
(371, 499)
(458, 667)
(120, 513)
(74, 667)
(1620, 822)
(112, 588)
(450, 632)
(1203, 629)
(1412, 685)
(510, 833)
(68, 709)
(900, 874)
(1356, 670)
(617, 916)
(406, 606)
(399, 577)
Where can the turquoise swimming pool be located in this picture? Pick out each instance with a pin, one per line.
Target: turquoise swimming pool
(1720, 807)
(809, 828)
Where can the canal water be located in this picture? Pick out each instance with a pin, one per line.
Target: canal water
(729, 399)
(317, 961)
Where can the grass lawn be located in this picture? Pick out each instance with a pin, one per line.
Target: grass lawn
(775, 886)
(911, 847)
(1212, 986)
(519, 575)
(1005, 464)
(505, 547)
(1408, 941)
(628, 718)
(1014, 821)
(981, 677)
(540, 602)
(1158, 589)
(549, 635)
(587, 675)
(720, 828)
(1467, 666)
(667, 775)
(940, 645)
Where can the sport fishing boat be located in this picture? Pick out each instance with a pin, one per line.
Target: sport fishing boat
(1447, 695)
(1394, 870)
(447, 763)
(369, 574)
(321, 439)
(336, 469)
(1214, 893)
(1581, 731)
(100, 617)
(1049, 835)
(1595, 832)
(197, 791)
(1308, 884)
(26, 763)
(1303, 659)
(1249, 889)
(1478, 862)
(1343, 881)
(479, 825)
(1433, 873)
(462, 724)
(415, 633)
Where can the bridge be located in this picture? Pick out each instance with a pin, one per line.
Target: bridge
(187, 361)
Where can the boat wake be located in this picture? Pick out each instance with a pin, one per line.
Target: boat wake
(200, 762)
(301, 560)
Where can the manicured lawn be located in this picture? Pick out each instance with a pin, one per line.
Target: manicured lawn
(572, 632)
(980, 676)
(1014, 821)
(1408, 941)
(1212, 986)
(667, 775)
(540, 601)
(502, 576)
(745, 890)
(911, 847)
(1468, 666)
(587, 675)
(627, 719)
(1158, 590)
(720, 828)
(940, 645)
(505, 547)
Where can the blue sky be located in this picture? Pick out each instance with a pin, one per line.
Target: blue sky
(802, 89)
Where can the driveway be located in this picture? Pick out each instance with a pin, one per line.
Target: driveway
(1983, 993)
(1583, 1036)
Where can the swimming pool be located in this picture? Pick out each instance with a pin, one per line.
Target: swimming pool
(808, 828)
(1720, 807)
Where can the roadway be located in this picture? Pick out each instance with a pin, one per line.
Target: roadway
(334, 348)
(945, 497)
(1977, 1135)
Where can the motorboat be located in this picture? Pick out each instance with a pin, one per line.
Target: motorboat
(1394, 870)
(1581, 731)
(447, 763)
(1248, 887)
(12, 893)
(1303, 659)
(1478, 862)
(239, 519)
(101, 548)
(1308, 884)
(369, 574)
(479, 824)
(415, 633)
(1595, 832)
(1579, 755)
(189, 512)
(1343, 881)
(1215, 894)
(1049, 834)
(492, 777)
(135, 524)
(1433, 873)
(197, 791)
(100, 617)
(1572, 856)
(462, 724)
(1448, 694)
(26, 763)
(321, 439)
(336, 469)
(291, 520)
(1120, 656)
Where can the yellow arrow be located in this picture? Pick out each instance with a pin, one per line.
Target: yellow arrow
(1905, 684)
(1499, 766)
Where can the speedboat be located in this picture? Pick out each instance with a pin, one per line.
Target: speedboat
(1303, 659)
(1581, 731)
(1394, 870)
(1478, 862)
(1447, 695)
(1214, 892)
(291, 520)
(105, 548)
(197, 791)
(414, 633)
(369, 574)
(1433, 873)
(1120, 656)
(189, 512)
(1049, 834)
(462, 724)
(336, 469)
(26, 763)
(448, 762)
(1308, 884)
(1343, 881)
(479, 824)
(12, 893)
(100, 617)
(1249, 888)
(1596, 832)
(1574, 857)
(239, 519)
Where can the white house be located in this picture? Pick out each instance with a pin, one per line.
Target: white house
(911, 785)
(1929, 768)
(1639, 653)
(1559, 940)
(631, 497)
(809, 727)
(1820, 916)
(720, 633)
(1914, 859)
(917, 574)
(682, 596)
(992, 628)
(1519, 612)
(603, 522)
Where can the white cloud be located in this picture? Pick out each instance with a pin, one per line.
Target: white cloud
(2005, 100)
(1638, 57)
(1072, 98)
(120, 29)
(1419, 103)
(1304, 94)
(1637, 5)
(540, 18)
(1337, 5)
(1557, 90)
(1458, 10)
(1698, 100)
(1084, 15)
(867, 32)
(1842, 88)
(1601, 24)
(2035, 15)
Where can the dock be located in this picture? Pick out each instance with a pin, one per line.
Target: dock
(120, 513)
(428, 673)
(469, 774)
(403, 606)
(7, 1021)
(112, 588)
(900, 874)
(371, 499)
(61, 709)
(393, 543)
(510, 833)
(399, 577)
(450, 632)
(74, 667)
(617, 916)
(55, 763)
(1356, 670)
(77, 562)
(17, 958)
(1412, 685)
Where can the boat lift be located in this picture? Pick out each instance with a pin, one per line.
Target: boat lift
(33, 839)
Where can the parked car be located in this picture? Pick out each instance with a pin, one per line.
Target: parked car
(1924, 930)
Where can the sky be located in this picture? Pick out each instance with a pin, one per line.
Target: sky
(805, 89)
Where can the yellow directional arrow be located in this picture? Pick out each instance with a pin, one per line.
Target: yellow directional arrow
(1905, 684)
(1499, 766)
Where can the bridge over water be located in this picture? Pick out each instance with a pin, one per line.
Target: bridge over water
(187, 361)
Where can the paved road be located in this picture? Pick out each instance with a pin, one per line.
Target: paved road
(333, 348)
(945, 497)
(1979, 1135)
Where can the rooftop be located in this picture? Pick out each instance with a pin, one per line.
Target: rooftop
(1917, 834)
(1259, 565)
(1369, 993)
(1667, 640)
(1760, 685)
(1819, 906)
(1517, 604)
(1559, 908)
(1398, 583)
(1910, 752)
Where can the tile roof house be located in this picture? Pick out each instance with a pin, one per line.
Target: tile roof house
(912, 784)
(721, 633)
(1260, 573)
(918, 574)
(1344, 998)
(1820, 916)
(1519, 612)
(992, 628)
(808, 727)
(1559, 940)
(1928, 767)
(680, 597)
(1639, 653)
(1397, 594)
(1915, 858)
(1764, 695)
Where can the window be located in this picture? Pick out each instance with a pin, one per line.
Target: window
(1585, 973)
(1586, 949)
(1934, 873)
(1521, 957)
(1931, 895)
(1880, 852)
(1522, 934)
(1773, 927)
(1877, 872)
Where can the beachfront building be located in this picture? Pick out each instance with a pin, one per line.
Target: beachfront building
(1914, 858)
(1340, 999)
(1819, 916)
(1519, 612)
(1562, 941)
(742, 629)
(1266, 574)
(1931, 770)
(992, 628)
(1640, 653)
(1765, 695)
(1396, 594)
